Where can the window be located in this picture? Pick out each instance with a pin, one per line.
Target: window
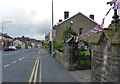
(81, 31)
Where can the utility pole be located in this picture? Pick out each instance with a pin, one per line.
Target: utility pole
(3, 22)
(52, 31)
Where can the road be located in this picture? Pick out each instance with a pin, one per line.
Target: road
(33, 65)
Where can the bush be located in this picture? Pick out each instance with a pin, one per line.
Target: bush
(58, 46)
(46, 45)
(67, 31)
(84, 61)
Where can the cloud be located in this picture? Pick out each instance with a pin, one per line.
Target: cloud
(25, 22)
(43, 27)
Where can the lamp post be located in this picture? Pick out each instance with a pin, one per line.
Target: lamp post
(71, 23)
(115, 17)
(52, 42)
(3, 22)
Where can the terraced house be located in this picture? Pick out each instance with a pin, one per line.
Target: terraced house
(5, 40)
(80, 24)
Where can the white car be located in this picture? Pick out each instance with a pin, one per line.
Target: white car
(12, 48)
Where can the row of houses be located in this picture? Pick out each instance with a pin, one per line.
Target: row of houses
(79, 23)
(19, 42)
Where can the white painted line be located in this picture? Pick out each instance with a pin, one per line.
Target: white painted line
(40, 51)
(40, 80)
(20, 59)
(23, 57)
(14, 62)
(6, 65)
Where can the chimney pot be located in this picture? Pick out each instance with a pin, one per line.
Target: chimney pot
(91, 16)
(66, 14)
(60, 20)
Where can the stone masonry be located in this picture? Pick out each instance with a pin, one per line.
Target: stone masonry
(106, 55)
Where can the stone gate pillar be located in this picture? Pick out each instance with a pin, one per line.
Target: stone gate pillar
(69, 53)
(106, 55)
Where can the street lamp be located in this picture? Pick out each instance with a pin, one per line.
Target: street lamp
(71, 23)
(3, 22)
(115, 17)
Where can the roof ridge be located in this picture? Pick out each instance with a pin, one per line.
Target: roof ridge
(74, 16)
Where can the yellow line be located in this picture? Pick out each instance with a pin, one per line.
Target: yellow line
(30, 80)
(36, 72)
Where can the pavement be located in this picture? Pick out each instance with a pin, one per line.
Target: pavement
(81, 75)
(52, 70)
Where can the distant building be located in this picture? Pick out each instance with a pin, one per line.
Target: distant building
(19, 44)
(47, 38)
(5, 40)
(29, 42)
(80, 24)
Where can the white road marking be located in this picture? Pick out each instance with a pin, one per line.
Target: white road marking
(40, 51)
(14, 62)
(40, 80)
(6, 65)
(22, 58)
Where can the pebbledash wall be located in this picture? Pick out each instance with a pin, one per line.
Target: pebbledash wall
(106, 55)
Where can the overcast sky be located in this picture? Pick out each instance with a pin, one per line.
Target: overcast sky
(32, 18)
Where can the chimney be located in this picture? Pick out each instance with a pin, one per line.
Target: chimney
(91, 16)
(60, 20)
(66, 14)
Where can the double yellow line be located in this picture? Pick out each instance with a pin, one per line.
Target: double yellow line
(33, 76)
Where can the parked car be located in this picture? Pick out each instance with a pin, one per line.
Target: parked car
(6, 48)
(11, 48)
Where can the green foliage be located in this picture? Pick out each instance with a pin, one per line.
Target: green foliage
(46, 45)
(85, 43)
(66, 31)
(58, 46)
(85, 53)
(38, 40)
(84, 61)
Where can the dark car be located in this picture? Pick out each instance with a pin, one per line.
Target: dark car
(6, 48)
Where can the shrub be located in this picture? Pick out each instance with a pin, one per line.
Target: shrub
(46, 45)
(84, 61)
(58, 46)
(67, 31)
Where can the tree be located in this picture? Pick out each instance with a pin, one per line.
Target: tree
(68, 31)
(38, 40)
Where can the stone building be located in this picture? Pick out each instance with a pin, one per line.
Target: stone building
(5, 40)
(105, 55)
(19, 44)
(80, 24)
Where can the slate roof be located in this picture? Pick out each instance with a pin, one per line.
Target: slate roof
(5, 35)
(94, 38)
(81, 14)
(113, 35)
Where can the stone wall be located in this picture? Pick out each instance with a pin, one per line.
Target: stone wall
(105, 61)
(59, 57)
